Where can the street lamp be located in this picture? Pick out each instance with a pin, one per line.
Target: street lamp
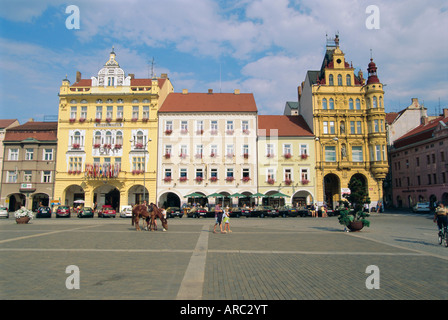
(144, 166)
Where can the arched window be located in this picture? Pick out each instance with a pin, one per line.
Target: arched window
(97, 138)
(339, 80)
(358, 104)
(77, 138)
(331, 104)
(324, 104)
(139, 137)
(330, 80)
(108, 137)
(375, 105)
(381, 102)
(349, 80)
(350, 104)
(119, 139)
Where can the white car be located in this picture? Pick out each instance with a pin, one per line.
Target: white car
(422, 207)
(4, 212)
(126, 212)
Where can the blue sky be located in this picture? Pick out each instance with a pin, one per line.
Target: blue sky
(260, 46)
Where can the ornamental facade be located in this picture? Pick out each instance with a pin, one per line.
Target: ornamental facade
(107, 138)
(347, 116)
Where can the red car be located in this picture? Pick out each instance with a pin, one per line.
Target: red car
(63, 211)
(107, 211)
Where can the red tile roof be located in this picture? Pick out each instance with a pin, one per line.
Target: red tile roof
(4, 123)
(42, 131)
(420, 133)
(288, 126)
(209, 102)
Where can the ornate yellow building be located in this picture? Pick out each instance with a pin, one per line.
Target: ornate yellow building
(107, 138)
(348, 119)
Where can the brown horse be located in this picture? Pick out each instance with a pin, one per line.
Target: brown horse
(140, 211)
(155, 213)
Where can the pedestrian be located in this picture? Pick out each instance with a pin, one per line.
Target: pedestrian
(226, 220)
(218, 218)
(313, 210)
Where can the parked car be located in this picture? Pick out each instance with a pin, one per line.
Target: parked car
(126, 212)
(264, 211)
(107, 211)
(85, 212)
(196, 212)
(235, 212)
(63, 211)
(288, 211)
(43, 212)
(172, 212)
(422, 207)
(4, 212)
(246, 212)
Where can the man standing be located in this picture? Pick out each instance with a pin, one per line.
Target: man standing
(218, 218)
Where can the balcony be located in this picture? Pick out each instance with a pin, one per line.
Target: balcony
(103, 170)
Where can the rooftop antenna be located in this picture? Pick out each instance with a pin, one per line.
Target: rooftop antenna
(152, 68)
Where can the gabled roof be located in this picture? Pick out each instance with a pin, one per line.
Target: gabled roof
(209, 102)
(287, 126)
(420, 133)
(4, 123)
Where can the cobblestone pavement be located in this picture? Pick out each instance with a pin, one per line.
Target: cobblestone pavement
(262, 259)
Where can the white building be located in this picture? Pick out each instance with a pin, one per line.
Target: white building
(207, 144)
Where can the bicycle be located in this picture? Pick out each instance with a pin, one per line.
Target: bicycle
(443, 236)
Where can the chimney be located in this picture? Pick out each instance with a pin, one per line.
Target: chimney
(164, 76)
(131, 75)
(445, 112)
(424, 120)
(78, 76)
(184, 91)
(210, 91)
(236, 91)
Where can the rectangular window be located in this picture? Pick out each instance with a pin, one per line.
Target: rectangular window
(184, 126)
(199, 127)
(330, 153)
(83, 112)
(29, 154)
(99, 112)
(214, 173)
(168, 173)
(27, 176)
(229, 173)
(304, 174)
(183, 173)
(245, 149)
(46, 176)
(288, 174)
(12, 177)
(73, 112)
(246, 173)
(138, 164)
(325, 127)
(269, 150)
(357, 155)
(358, 127)
(245, 126)
(378, 153)
(199, 150)
(183, 150)
(169, 126)
(109, 112)
(134, 112)
(214, 127)
(120, 112)
(168, 149)
(230, 150)
(270, 174)
(287, 149)
(213, 150)
(75, 164)
(199, 173)
(145, 114)
(352, 127)
(303, 149)
(13, 154)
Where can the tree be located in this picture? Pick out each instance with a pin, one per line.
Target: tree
(358, 197)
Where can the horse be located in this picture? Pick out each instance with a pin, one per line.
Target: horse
(155, 212)
(140, 211)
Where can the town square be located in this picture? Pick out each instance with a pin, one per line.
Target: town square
(223, 151)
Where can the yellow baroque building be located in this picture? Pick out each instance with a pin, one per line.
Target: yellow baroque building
(107, 138)
(347, 117)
